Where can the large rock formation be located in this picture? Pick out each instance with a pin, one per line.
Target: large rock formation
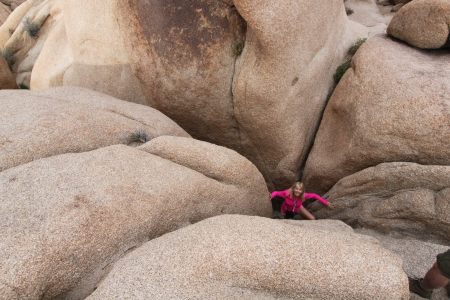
(253, 76)
(237, 257)
(66, 218)
(423, 24)
(41, 124)
(406, 198)
(392, 105)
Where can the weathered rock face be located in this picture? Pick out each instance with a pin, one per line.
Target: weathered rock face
(12, 4)
(65, 219)
(423, 24)
(281, 85)
(182, 52)
(251, 76)
(236, 257)
(392, 105)
(35, 125)
(406, 198)
(6, 7)
(24, 33)
(7, 80)
(5, 10)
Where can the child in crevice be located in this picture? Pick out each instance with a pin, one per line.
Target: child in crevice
(288, 204)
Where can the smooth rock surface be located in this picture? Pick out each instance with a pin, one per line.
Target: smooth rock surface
(235, 73)
(35, 125)
(423, 24)
(64, 220)
(236, 257)
(393, 105)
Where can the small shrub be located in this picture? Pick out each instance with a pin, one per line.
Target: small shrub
(349, 11)
(340, 71)
(238, 47)
(139, 136)
(23, 86)
(353, 49)
(31, 28)
(9, 56)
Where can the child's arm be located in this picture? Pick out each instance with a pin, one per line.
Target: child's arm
(281, 194)
(316, 197)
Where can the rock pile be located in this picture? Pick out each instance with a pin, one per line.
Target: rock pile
(252, 77)
(65, 219)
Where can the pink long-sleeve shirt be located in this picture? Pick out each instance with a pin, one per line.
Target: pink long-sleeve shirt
(293, 204)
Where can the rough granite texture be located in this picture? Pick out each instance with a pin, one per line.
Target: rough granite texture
(392, 105)
(34, 125)
(240, 257)
(406, 198)
(65, 219)
(422, 23)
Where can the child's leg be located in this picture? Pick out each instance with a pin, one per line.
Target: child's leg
(289, 215)
(307, 214)
(277, 202)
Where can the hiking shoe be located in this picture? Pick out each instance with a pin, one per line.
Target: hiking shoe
(277, 215)
(416, 288)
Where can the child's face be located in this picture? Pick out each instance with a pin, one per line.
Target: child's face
(297, 190)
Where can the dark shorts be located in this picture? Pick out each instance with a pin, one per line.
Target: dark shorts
(291, 215)
(443, 263)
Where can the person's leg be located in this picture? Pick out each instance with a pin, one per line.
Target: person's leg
(438, 276)
(307, 214)
(277, 202)
(434, 279)
(297, 217)
(289, 215)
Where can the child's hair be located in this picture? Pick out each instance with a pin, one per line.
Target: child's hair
(298, 183)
